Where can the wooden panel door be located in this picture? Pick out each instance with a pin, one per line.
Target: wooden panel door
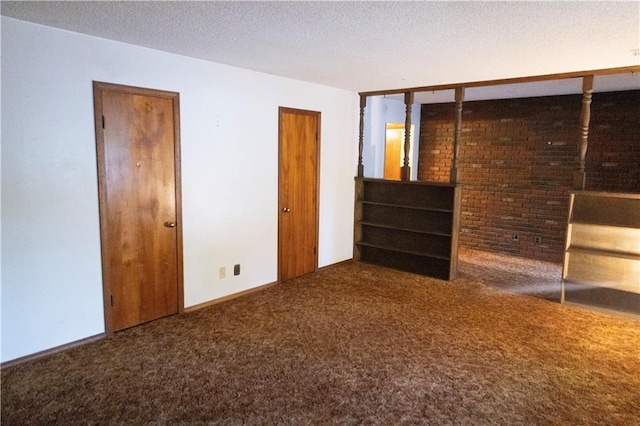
(394, 150)
(394, 143)
(298, 176)
(139, 204)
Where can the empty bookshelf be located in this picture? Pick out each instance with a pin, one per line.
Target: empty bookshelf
(602, 253)
(412, 226)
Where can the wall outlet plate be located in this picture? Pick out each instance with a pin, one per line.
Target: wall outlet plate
(223, 272)
(236, 269)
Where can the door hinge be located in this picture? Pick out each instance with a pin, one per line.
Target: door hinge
(316, 136)
(103, 121)
(314, 250)
(112, 300)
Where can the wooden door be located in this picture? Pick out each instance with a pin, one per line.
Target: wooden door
(394, 150)
(138, 161)
(298, 194)
(394, 143)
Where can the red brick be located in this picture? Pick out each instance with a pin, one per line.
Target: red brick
(525, 151)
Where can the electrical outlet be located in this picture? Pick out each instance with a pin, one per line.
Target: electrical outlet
(516, 237)
(236, 269)
(537, 239)
(223, 272)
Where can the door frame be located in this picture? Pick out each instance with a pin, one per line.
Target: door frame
(98, 88)
(318, 116)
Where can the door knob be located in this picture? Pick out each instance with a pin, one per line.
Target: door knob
(286, 210)
(170, 224)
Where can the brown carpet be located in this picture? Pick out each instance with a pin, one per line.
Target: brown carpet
(353, 344)
(513, 274)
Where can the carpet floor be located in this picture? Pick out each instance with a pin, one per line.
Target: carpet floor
(354, 344)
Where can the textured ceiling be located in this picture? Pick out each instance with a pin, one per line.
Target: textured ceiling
(367, 46)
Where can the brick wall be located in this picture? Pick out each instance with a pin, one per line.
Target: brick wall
(517, 159)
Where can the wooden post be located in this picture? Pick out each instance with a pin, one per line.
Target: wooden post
(357, 227)
(454, 175)
(406, 168)
(580, 176)
(363, 105)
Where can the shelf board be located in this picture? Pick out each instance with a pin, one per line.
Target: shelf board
(411, 182)
(416, 253)
(586, 282)
(585, 293)
(399, 228)
(621, 210)
(603, 224)
(402, 206)
(583, 282)
(607, 253)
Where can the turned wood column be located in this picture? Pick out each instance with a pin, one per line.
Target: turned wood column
(406, 168)
(363, 105)
(580, 176)
(454, 176)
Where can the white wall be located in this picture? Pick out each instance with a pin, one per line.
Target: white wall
(51, 275)
(379, 112)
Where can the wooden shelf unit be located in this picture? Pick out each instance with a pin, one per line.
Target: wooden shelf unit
(412, 226)
(602, 251)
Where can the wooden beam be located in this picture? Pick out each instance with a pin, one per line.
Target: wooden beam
(459, 97)
(580, 176)
(530, 79)
(406, 168)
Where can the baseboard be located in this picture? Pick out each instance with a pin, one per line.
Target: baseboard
(193, 308)
(52, 351)
(229, 297)
(249, 291)
(333, 265)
